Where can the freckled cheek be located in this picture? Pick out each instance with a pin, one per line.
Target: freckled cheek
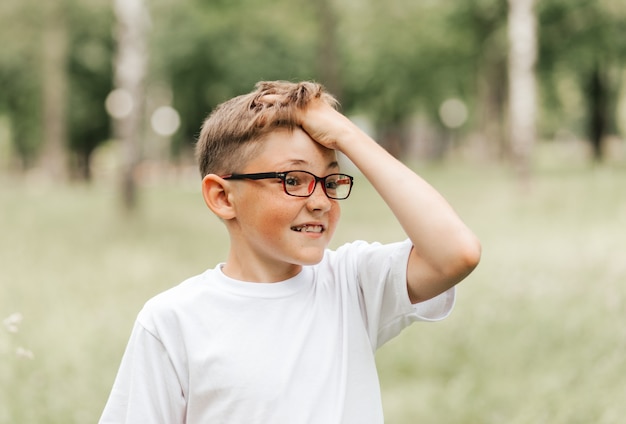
(333, 218)
(273, 223)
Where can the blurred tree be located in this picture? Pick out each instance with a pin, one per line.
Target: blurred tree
(55, 73)
(90, 81)
(478, 27)
(328, 61)
(391, 66)
(584, 40)
(522, 98)
(210, 51)
(407, 57)
(54, 76)
(20, 61)
(20, 102)
(131, 63)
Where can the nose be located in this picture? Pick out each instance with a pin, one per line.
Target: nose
(318, 199)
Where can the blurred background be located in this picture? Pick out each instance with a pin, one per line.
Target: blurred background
(87, 82)
(515, 110)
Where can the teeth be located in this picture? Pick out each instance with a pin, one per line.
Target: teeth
(309, 228)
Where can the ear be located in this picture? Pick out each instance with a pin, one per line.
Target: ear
(216, 195)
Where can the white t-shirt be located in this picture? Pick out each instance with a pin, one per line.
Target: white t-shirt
(218, 350)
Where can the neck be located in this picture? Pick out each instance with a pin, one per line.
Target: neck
(256, 271)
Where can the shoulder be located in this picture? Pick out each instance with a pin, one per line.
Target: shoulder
(181, 292)
(369, 253)
(165, 307)
(363, 262)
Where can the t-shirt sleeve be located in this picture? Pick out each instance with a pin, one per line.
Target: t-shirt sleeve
(146, 388)
(381, 275)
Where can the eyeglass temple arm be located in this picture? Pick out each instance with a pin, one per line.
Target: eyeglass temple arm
(258, 176)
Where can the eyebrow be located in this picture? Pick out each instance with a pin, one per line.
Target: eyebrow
(297, 162)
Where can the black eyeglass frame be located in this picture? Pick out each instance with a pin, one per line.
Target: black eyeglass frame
(283, 176)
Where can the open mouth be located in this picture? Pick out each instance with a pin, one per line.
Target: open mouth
(308, 228)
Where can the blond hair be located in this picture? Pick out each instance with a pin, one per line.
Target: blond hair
(226, 140)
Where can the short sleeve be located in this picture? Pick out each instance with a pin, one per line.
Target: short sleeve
(437, 308)
(146, 388)
(381, 274)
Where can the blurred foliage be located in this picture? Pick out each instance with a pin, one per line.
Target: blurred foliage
(389, 61)
(208, 52)
(90, 70)
(584, 40)
(19, 79)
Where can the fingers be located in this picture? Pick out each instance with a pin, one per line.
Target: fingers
(269, 99)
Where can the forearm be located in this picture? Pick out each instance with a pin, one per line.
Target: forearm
(423, 213)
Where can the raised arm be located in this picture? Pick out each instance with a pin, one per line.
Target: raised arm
(444, 249)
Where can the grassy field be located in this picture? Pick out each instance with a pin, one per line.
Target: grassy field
(538, 334)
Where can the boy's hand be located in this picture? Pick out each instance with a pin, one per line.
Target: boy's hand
(322, 122)
(326, 125)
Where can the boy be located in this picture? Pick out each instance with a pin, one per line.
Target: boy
(285, 330)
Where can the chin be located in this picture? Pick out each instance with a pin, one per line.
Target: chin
(312, 259)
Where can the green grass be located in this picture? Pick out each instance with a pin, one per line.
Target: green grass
(537, 335)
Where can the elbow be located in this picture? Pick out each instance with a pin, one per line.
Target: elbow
(466, 260)
(472, 254)
(426, 282)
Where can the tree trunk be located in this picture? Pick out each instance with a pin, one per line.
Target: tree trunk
(129, 77)
(54, 85)
(522, 33)
(492, 92)
(328, 56)
(598, 104)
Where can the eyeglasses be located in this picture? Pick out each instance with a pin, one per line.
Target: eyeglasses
(303, 183)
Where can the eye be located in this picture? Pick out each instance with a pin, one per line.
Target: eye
(336, 181)
(292, 181)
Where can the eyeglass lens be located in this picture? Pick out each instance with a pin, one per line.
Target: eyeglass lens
(300, 183)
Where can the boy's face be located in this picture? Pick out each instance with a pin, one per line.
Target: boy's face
(274, 234)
